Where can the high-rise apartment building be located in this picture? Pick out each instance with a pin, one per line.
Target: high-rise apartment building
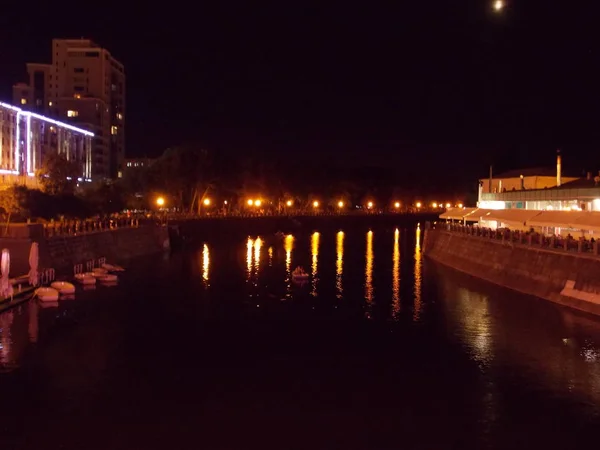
(84, 85)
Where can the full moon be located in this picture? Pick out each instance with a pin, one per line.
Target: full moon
(498, 5)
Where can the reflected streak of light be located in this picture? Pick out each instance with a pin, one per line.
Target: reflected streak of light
(249, 246)
(418, 274)
(288, 245)
(258, 243)
(369, 269)
(33, 328)
(205, 262)
(339, 264)
(270, 256)
(314, 250)
(475, 315)
(5, 337)
(396, 275)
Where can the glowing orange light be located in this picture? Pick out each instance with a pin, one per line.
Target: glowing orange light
(315, 204)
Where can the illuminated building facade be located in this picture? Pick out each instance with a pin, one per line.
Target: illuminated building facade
(540, 189)
(85, 86)
(27, 137)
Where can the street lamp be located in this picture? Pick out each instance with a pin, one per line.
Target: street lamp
(160, 201)
(447, 205)
(257, 203)
(434, 205)
(419, 204)
(340, 204)
(498, 5)
(315, 204)
(397, 205)
(206, 201)
(250, 202)
(370, 205)
(289, 203)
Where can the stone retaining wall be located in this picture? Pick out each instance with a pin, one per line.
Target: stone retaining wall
(63, 252)
(568, 278)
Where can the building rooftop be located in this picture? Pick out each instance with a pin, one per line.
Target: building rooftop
(533, 172)
(580, 183)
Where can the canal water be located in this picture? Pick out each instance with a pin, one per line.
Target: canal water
(216, 347)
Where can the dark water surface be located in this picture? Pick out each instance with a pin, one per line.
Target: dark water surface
(215, 347)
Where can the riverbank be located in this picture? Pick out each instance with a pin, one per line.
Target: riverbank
(63, 252)
(569, 278)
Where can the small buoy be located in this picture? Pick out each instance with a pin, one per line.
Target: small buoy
(47, 294)
(63, 287)
(85, 278)
(108, 278)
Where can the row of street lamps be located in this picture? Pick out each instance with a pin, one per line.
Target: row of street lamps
(257, 203)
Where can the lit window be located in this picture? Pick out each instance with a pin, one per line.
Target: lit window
(128, 164)
(23, 101)
(119, 116)
(113, 130)
(49, 103)
(77, 95)
(71, 113)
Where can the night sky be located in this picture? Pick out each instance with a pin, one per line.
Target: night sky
(442, 88)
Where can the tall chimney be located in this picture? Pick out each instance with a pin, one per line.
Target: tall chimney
(558, 168)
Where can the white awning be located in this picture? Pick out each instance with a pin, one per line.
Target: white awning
(457, 213)
(511, 216)
(579, 220)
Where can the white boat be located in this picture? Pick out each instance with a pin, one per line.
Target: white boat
(299, 274)
(47, 294)
(63, 287)
(113, 268)
(85, 278)
(108, 278)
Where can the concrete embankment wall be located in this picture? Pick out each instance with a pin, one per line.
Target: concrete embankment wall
(567, 278)
(63, 252)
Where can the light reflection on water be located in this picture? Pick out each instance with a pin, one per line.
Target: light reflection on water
(418, 275)
(288, 245)
(339, 264)
(369, 269)
(314, 251)
(553, 347)
(205, 263)
(258, 243)
(396, 275)
(249, 249)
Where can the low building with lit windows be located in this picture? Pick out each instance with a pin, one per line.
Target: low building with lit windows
(540, 189)
(27, 137)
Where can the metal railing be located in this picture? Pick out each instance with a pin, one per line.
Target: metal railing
(527, 238)
(78, 227)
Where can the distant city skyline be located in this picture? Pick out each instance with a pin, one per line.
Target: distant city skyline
(436, 89)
